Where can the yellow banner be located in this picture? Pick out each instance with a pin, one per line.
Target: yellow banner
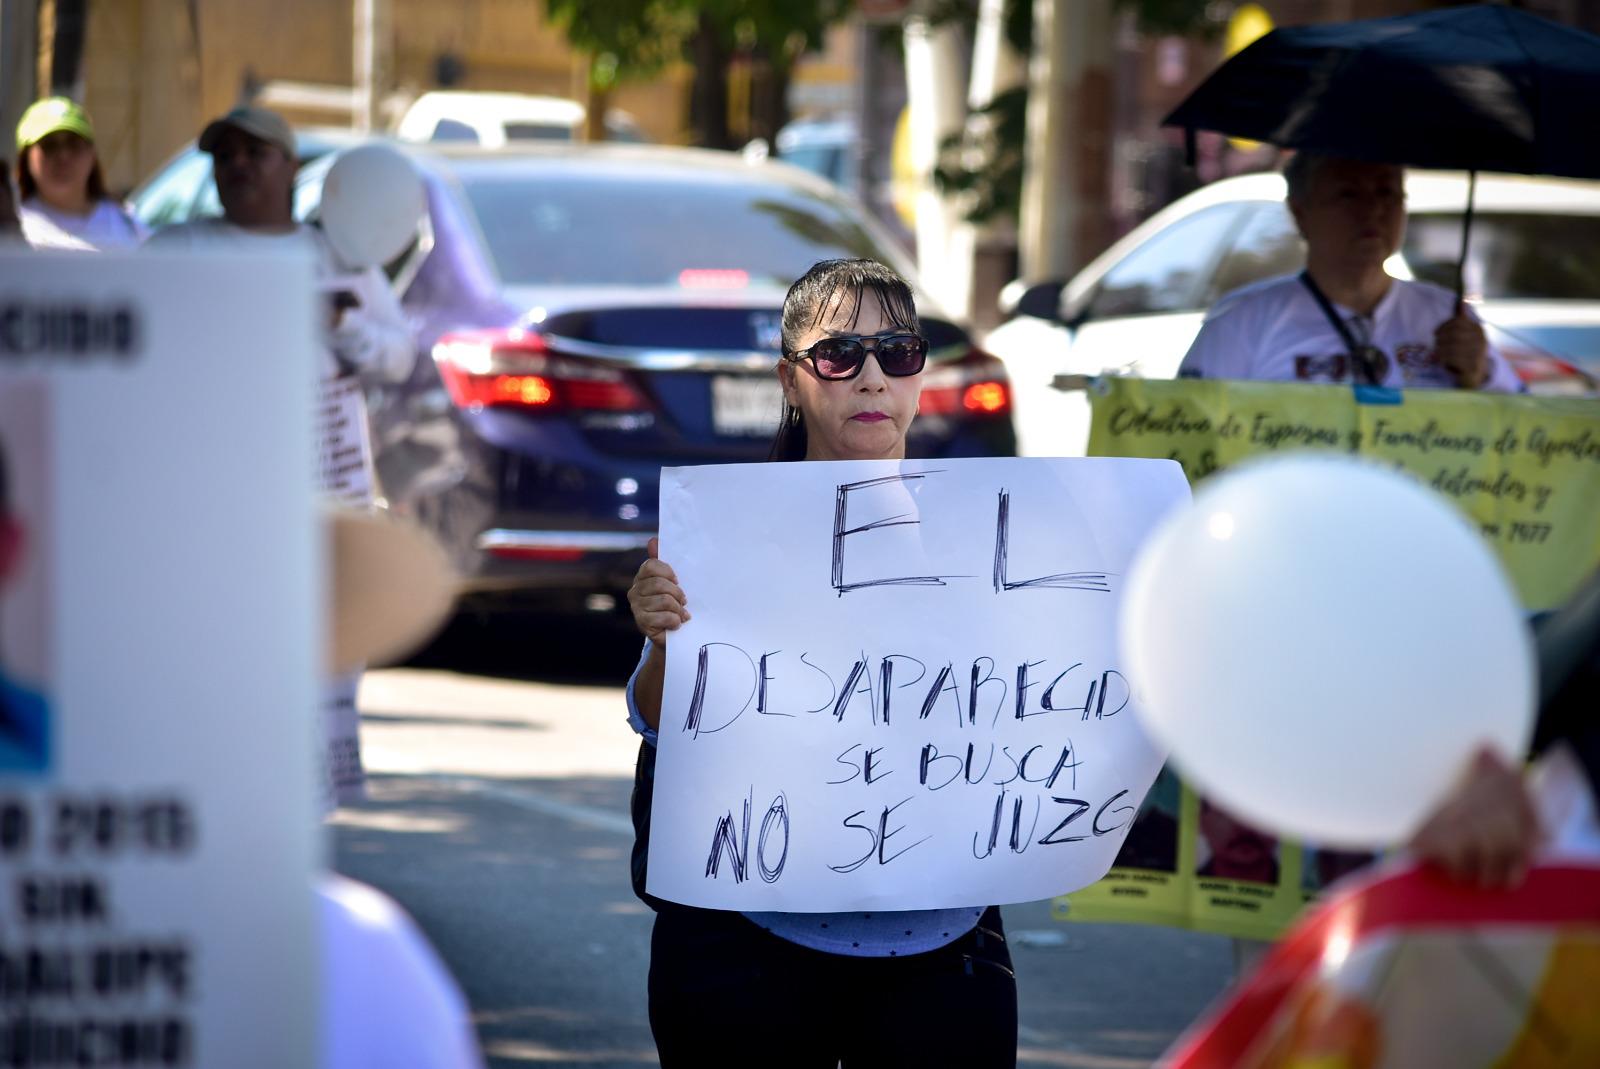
(1190, 865)
(1526, 469)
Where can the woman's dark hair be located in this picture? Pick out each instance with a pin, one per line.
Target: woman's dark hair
(27, 187)
(809, 301)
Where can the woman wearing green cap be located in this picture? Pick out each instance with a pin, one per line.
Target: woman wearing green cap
(64, 201)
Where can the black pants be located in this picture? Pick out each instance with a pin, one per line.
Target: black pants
(723, 992)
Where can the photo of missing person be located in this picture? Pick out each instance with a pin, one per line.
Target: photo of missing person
(1320, 866)
(1229, 849)
(25, 723)
(1152, 841)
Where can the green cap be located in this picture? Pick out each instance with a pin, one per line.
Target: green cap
(51, 115)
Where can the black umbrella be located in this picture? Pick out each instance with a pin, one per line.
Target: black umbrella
(1481, 88)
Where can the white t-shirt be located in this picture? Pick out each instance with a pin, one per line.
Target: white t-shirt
(1276, 331)
(108, 226)
(387, 998)
(372, 337)
(213, 233)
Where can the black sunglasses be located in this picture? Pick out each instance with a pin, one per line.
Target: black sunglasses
(899, 354)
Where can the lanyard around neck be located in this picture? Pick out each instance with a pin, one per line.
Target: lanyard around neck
(1362, 357)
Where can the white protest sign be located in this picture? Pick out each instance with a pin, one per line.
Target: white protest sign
(344, 442)
(162, 634)
(900, 688)
(345, 474)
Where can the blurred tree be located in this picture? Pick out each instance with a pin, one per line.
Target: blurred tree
(984, 162)
(784, 31)
(1181, 18)
(628, 39)
(709, 53)
(768, 35)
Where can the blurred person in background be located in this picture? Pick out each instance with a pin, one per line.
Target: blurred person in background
(388, 999)
(1344, 318)
(254, 165)
(365, 338)
(64, 199)
(1487, 830)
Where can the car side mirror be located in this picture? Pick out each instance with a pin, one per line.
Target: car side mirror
(1077, 313)
(1041, 300)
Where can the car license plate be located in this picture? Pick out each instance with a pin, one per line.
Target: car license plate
(745, 406)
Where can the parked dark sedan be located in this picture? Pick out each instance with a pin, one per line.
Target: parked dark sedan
(594, 313)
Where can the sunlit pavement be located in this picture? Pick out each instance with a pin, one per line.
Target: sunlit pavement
(498, 817)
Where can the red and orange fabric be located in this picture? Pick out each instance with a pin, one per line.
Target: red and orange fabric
(1408, 969)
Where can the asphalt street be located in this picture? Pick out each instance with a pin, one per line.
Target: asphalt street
(501, 766)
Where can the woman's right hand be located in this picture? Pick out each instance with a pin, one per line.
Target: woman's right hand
(1486, 830)
(657, 601)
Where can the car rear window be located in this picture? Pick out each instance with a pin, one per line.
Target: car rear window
(582, 229)
(827, 160)
(1527, 256)
(537, 131)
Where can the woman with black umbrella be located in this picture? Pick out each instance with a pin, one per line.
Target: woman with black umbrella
(1483, 87)
(1344, 319)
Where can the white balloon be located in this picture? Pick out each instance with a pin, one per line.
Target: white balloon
(372, 201)
(1322, 643)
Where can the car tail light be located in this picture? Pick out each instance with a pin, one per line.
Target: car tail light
(974, 387)
(1543, 373)
(552, 554)
(516, 369)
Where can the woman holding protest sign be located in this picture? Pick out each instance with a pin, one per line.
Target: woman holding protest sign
(923, 987)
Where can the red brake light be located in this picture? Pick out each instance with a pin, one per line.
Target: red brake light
(711, 278)
(987, 397)
(530, 390)
(517, 369)
(610, 396)
(974, 387)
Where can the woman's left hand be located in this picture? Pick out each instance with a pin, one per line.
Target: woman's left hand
(658, 603)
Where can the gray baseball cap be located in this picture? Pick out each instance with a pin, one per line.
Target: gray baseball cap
(268, 125)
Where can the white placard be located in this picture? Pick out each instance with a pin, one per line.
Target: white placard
(344, 442)
(900, 687)
(156, 858)
(346, 477)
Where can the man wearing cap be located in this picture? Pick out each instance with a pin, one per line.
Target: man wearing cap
(253, 162)
(365, 338)
(64, 199)
(254, 165)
